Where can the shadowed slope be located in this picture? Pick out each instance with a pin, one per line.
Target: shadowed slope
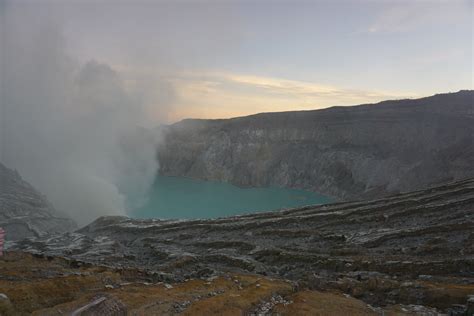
(24, 212)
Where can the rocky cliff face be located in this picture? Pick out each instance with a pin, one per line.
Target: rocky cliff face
(345, 152)
(24, 212)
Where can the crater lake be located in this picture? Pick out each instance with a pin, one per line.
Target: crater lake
(184, 198)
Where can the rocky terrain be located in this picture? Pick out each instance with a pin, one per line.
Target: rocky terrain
(412, 249)
(55, 286)
(24, 212)
(364, 151)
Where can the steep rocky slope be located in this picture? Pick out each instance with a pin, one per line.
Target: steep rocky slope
(413, 248)
(24, 212)
(344, 152)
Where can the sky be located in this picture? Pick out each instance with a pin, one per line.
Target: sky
(216, 59)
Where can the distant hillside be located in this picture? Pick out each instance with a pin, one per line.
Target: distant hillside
(345, 152)
(24, 212)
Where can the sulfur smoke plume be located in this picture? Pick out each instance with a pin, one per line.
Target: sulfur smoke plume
(70, 128)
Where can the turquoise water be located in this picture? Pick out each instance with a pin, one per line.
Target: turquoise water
(183, 198)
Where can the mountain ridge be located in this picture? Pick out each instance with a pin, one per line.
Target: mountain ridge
(380, 103)
(361, 151)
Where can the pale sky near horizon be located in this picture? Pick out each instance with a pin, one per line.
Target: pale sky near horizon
(218, 59)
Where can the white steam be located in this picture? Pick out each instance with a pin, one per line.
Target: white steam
(71, 129)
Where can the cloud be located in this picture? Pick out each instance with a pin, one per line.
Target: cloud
(219, 95)
(447, 55)
(282, 85)
(70, 128)
(407, 16)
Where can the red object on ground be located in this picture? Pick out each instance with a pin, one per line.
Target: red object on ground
(2, 238)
